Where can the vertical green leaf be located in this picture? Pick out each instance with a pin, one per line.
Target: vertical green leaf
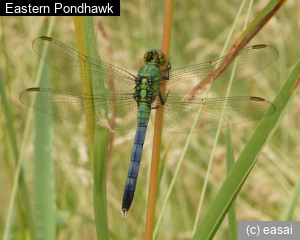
(44, 191)
(19, 174)
(86, 38)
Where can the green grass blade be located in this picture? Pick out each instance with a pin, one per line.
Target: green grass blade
(85, 34)
(262, 18)
(246, 161)
(8, 117)
(100, 198)
(218, 131)
(44, 191)
(19, 175)
(292, 203)
(229, 164)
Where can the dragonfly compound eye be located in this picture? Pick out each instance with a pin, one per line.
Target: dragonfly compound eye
(156, 57)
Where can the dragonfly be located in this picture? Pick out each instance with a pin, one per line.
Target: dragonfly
(121, 100)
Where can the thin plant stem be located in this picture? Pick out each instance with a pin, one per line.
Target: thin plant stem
(218, 131)
(153, 183)
(248, 15)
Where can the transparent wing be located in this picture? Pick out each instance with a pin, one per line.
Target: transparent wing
(217, 73)
(180, 115)
(107, 112)
(79, 67)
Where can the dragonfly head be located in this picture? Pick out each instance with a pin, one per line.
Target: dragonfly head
(155, 57)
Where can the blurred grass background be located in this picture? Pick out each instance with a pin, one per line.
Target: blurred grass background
(198, 34)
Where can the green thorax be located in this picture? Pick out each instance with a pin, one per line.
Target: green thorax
(150, 69)
(148, 82)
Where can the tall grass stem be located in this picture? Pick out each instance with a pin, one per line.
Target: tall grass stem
(153, 183)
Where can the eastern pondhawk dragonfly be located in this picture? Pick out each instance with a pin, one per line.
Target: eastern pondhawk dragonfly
(122, 100)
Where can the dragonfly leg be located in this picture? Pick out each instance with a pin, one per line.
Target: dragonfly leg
(166, 69)
(163, 101)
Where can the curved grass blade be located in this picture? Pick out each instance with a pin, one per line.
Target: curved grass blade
(190, 96)
(246, 161)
